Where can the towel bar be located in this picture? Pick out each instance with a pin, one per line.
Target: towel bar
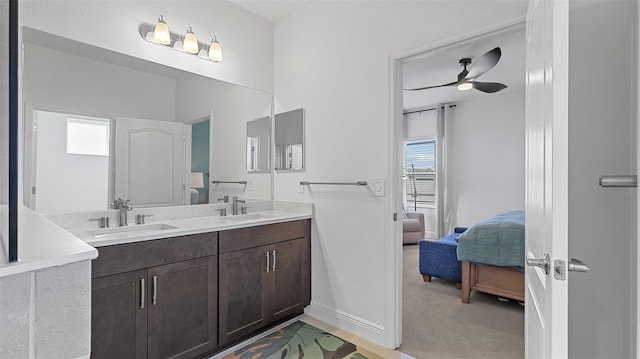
(357, 183)
(238, 182)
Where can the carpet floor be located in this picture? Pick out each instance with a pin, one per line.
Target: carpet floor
(436, 324)
(298, 340)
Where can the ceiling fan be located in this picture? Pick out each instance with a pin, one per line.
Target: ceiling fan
(467, 78)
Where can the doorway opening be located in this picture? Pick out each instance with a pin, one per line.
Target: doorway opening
(477, 171)
(200, 154)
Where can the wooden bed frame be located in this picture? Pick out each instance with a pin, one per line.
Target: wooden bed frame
(505, 282)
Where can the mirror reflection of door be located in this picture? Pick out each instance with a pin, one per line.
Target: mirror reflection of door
(289, 140)
(150, 162)
(200, 138)
(70, 163)
(258, 142)
(294, 156)
(253, 152)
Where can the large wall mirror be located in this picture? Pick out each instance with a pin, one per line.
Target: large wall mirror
(289, 141)
(101, 125)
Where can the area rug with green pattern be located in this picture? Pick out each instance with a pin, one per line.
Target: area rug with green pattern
(298, 340)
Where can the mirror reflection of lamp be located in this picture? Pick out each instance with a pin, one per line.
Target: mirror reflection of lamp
(197, 181)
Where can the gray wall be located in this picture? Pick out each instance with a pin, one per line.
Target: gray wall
(46, 313)
(602, 73)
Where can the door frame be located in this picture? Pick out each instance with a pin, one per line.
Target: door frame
(393, 206)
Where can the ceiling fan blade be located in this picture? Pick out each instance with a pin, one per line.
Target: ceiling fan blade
(484, 63)
(489, 87)
(432, 87)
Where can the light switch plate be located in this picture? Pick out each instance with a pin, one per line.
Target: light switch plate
(301, 187)
(376, 186)
(249, 185)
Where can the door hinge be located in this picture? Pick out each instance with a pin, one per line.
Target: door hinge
(33, 190)
(395, 217)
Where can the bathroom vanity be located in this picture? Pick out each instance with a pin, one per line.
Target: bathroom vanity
(185, 296)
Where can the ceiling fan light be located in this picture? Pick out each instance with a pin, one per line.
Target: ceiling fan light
(465, 86)
(161, 32)
(190, 43)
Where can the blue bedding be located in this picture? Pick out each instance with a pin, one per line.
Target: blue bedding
(498, 240)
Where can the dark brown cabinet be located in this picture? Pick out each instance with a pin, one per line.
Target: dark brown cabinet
(186, 297)
(168, 310)
(242, 293)
(261, 285)
(181, 317)
(118, 316)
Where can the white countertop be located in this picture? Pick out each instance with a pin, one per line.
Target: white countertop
(43, 244)
(57, 240)
(181, 226)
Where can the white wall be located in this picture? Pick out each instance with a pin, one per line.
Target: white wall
(246, 39)
(61, 80)
(486, 164)
(67, 182)
(332, 58)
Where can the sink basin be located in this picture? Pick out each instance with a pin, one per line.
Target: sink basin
(137, 229)
(248, 217)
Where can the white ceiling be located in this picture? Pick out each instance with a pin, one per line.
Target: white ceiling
(272, 10)
(444, 68)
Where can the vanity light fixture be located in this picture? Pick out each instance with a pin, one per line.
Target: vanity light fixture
(215, 50)
(161, 32)
(190, 44)
(160, 35)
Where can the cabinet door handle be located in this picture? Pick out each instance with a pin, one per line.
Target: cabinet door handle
(267, 261)
(273, 265)
(142, 293)
(155, 290)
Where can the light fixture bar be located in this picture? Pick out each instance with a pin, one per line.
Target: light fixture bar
(146, 31)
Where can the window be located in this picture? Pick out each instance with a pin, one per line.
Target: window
(87, 137)
(420, 170)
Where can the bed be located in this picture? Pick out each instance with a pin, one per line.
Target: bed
(492, 256)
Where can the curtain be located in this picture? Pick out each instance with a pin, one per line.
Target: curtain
(446, 201)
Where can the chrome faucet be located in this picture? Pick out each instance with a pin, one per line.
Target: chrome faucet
(234, 208)
(124, 207)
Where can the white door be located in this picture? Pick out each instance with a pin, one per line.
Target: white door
(150, 162)
(546, 310)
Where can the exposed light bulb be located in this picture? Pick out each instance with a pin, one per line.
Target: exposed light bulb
(161, 32)
(190, 44)
(465, 86)
(215, 50)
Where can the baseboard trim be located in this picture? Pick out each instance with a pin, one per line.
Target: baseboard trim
(372, 332)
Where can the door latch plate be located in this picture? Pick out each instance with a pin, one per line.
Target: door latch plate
(559, 269)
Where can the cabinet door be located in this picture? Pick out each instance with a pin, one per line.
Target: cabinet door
(288, 279)
(182, 308)
(242, 292)
(119, 316)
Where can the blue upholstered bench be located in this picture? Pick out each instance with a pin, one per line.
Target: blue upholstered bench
(438, 258)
